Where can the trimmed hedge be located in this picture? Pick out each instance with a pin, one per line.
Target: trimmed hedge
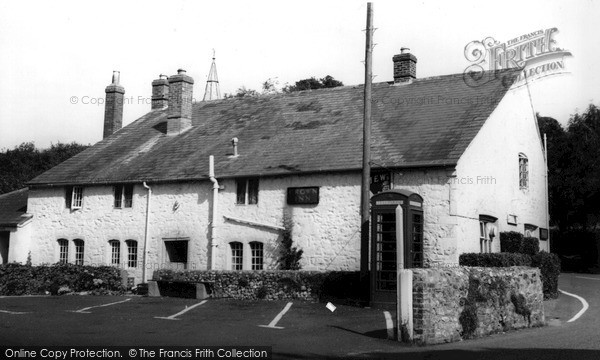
(530, 246)
(549, 265)
(341, 286)
(494, 259)
(510, 241)
(17, 279)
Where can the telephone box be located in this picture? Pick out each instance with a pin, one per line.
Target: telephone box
(384, 262)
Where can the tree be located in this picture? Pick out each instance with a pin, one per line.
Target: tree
(24, 162)
(313, 84)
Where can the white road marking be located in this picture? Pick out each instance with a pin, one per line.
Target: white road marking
(85, 310)
(173, 317)
(13, 312)
(589, 278)
(585, 305)
(389, 324)
(278, 317)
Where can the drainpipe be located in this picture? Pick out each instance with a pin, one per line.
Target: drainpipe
(144, 270)
(213, 226)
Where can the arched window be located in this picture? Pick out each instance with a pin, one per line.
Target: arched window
(523, 171)
(237, 255)
(115, 252)
(132, 253)
(63, 251)
(256, 249)
(79, 251)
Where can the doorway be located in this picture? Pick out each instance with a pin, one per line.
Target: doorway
(4, 241)
(384, 262)
(176, 253)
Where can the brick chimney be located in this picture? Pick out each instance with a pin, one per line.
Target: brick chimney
(405, 66)
(113, 107)
(160, 93)
(179, 117)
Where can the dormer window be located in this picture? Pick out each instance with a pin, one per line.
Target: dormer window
(523, 171)
(74, 197)
(123, 196)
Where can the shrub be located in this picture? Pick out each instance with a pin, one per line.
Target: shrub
(549, 265)
(494, 259)
(17, 279)
(511, 241)
(530, 246)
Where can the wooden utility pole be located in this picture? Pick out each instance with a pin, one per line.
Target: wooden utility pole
(366, 167)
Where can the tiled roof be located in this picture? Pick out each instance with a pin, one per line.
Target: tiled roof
(429, 122)
(13, 206)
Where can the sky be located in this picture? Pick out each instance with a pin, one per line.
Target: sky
(56, 58)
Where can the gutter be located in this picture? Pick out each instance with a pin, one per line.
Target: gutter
(213, 225)
(145, 258)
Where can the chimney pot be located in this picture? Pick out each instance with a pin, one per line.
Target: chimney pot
(113, 106)
(181, 72)
(405, 66)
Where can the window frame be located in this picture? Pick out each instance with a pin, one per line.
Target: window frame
(237, 255)
(76, 197)
(485, 240)
(257, 255)
(123, 196)
(63, 251)
(523, 172)
(132, 256)
(79, 251)
(115, 260)
(248, 188)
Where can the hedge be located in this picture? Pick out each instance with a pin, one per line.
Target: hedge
(341, 286)
(494, 259)
(549, 265)
(17, 279)
(510, 241)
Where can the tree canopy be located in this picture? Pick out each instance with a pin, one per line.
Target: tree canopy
(24, 162)
(270, 86)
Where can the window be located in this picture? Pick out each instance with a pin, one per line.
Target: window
(257, 255)
(63, 251)
(79, 250)
(247, 191)
(237, 255)
(487, 232)
(523, 171)
(132, 253)
(115, 252)
(530, 230)
(74, 197)
(123, 196)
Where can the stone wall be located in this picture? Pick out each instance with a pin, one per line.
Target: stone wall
(458, 303)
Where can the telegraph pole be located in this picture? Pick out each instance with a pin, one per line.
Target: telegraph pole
(366, 167)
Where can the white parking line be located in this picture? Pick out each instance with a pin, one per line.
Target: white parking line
(589, 278)
(389, 324)
(84, 310)
(173, 317)
(585, 305)
(13, 312)
(278, 317)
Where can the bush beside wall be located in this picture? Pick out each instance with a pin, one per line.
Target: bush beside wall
(17, 279)
(460, 303)
(549, 265)
(341, 286)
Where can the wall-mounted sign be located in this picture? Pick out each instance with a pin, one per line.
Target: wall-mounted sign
(380, 181)
(543, 234)
(303, 195)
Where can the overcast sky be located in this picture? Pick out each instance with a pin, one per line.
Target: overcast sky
(55, 53)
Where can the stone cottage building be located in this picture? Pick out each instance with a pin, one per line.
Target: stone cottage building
(213, 185)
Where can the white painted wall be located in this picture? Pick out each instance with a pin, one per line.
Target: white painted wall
(487, 175)
(327, 232)
(19, 245)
